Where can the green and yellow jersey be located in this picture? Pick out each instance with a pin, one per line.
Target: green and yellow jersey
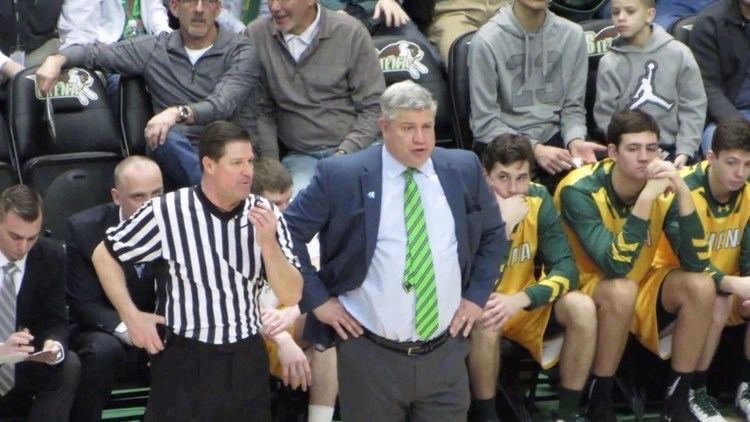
(725, 225)
(608, 241)
(539, 231)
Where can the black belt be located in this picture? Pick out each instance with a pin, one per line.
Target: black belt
(410, 348)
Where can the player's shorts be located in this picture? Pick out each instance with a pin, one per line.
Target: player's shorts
(539, 332)
(650, 317)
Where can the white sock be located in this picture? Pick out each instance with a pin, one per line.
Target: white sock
(319, 413)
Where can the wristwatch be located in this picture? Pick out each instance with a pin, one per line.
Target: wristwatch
(184, 113)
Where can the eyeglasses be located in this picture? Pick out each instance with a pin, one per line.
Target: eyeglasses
(194, 2)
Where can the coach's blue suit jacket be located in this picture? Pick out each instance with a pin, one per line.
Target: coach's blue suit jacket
(342, 203)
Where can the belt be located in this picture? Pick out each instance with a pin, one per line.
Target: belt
(410, 348)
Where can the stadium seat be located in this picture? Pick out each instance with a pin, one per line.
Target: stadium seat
(577, 10)
(8, 172)
(458, 80)
(70, 166)
(681, 29)
(599, 35)
(135, 111)
(402, 59)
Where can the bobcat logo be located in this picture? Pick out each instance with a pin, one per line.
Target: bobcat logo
(76, 84)
(645, 93)
(403, 56)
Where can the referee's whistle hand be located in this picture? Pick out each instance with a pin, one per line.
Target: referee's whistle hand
(264, 221)
(143, 334)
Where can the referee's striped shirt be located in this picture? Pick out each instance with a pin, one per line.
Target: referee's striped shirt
(215, 269)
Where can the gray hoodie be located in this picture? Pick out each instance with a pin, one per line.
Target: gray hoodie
(661, 79)
(532, 83)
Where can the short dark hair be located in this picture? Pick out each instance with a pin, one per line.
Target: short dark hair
(216, 136)
(23, 201)
(270, 176)
(507, 149)
(630, 121)
(732, 134)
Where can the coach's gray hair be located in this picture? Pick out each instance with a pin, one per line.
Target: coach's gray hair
(406, 95)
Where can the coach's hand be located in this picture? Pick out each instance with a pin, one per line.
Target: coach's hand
(158, 127)
(142, 330)
(333, 313)
(466, 315)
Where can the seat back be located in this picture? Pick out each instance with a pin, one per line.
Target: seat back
(402, 59)
(458, 80)
(577, 10)
(599, 36)
(135, 111)
(8, 172)
(82, 117)
(681, 28)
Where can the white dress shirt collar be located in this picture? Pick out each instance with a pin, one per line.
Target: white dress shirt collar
(392, 168)
(21, 264)
(297, 44)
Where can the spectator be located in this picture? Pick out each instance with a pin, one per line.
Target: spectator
(217, 246)
(721, 194)
(384, 17)
(647, 69)
(32, 312)
(403, 335)
(105, 22)
(454, 18)
(320, 82)
(99, 336)
(28, 33)
(546, 315)
(669, 11)
(196, 75)
(522, 83)
(616, 215)
(721, 44)
(237, 14)
(8, 67)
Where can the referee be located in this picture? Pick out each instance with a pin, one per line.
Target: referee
(216, 245)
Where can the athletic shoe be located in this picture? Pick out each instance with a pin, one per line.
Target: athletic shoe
(703, 406)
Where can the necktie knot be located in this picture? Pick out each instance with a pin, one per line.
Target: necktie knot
(409, 172)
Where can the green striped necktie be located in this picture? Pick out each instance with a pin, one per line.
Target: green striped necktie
(419, 271)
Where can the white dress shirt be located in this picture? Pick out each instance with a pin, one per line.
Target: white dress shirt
(381, 304)
(297, 44)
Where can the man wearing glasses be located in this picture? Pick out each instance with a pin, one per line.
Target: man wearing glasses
(195, 76)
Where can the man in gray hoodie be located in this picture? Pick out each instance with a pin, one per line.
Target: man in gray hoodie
(647, 69)
(521, 82)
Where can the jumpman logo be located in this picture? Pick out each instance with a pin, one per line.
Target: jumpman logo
(645, 93)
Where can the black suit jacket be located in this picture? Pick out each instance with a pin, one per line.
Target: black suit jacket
(89, 305)
(40, 305)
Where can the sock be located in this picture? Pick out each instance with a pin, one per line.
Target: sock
(486, 409)
(567, 407)
(746, 370)
(319, 413)
(600, 390)
(700, 379)
(678, 385)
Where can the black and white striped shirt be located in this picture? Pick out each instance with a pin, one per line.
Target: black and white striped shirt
(215, 271)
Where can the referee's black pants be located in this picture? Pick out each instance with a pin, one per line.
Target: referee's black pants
(195, 381)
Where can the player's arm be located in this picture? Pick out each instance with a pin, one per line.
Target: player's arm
(613, 253)
(684, 230)
(737, 284)
(561, 274)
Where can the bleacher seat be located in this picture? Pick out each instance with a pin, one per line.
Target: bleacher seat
(458, 80)
(135, 111)
(682, 27)
(599, 35)
(72, 170)
(402, 59)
